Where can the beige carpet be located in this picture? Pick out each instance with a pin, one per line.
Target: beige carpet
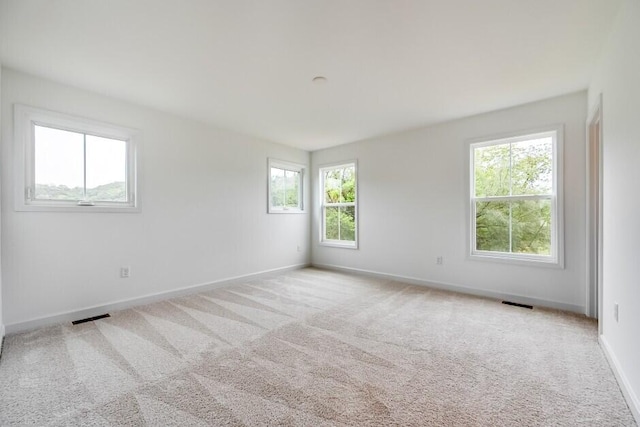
(314, 348)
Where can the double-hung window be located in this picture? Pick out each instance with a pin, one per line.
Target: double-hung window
(338, 185)
(67, 163)
(286, 182)
(516, 197)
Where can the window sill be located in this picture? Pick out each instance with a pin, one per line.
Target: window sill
(77, 209)
(339, 244)
(286, 211)
(528, 261)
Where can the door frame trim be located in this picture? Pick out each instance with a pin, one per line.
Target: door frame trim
(594, 283)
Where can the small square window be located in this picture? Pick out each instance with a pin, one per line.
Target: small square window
(72, 164)
(286, 182)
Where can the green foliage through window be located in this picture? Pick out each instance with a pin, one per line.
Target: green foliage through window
(113, 192)
(339, 203)
(513, 193)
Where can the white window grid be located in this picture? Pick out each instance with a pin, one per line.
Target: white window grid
(556, 257)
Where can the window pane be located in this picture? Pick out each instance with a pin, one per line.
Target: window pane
(531, 222)
(332, 223)
(333, 186)
(340, 223)
(59, 164)
(277, 187)
(285, 188)
(492, 226)
(349, 184)
(491, 165)
(348, 223)
(532, 166)
(292, 193)
(106, 169)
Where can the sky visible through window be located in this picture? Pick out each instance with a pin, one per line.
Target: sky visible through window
(59, 159)
(285, 191)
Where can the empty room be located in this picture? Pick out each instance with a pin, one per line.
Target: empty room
(319, 213)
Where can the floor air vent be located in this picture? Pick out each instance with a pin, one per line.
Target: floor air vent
(90, 319)
(530, 307)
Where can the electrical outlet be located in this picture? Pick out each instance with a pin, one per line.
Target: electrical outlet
(615, 311)
(439, 260)
(299, 249)
(125, 272)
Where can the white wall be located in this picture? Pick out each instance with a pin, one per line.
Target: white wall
(203, 216)
(617, 79)
(1, 317)
(412, 197)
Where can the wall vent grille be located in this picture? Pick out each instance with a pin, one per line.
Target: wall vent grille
(515, 304)
(90, 319)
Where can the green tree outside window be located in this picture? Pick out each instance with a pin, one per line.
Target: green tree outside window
(339, 203)
(513, 195)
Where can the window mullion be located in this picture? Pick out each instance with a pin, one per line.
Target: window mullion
(510, 227)
(300, 184)
(514, 198)
(510, 169)
(284, 189)
(84, 162)
(339, 228)
(339, 210)
(510, 195)
(340, 205)
(324, 205)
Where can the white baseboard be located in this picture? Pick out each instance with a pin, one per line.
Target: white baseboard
(69, 316)
(627, 391)
(458, 288)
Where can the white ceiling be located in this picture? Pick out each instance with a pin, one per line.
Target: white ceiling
(247, 65)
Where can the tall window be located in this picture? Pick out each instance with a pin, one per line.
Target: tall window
(285, 187)
(73, 164)
(339, 208)
(515, 198)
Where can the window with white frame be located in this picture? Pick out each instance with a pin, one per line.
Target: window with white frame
(286, 182)
(69, 163)
(338, 186)
(516, 197)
